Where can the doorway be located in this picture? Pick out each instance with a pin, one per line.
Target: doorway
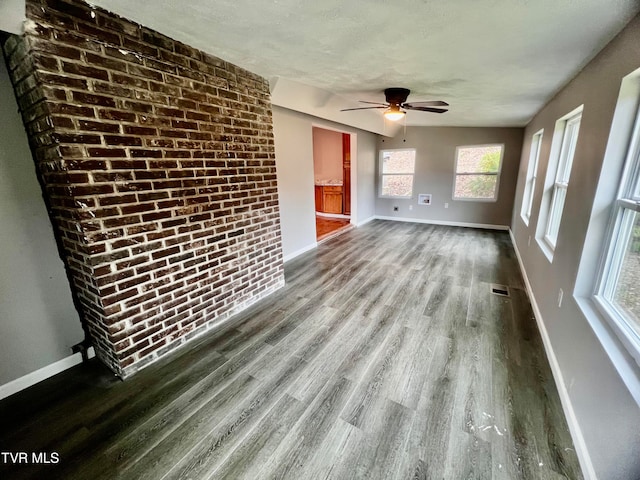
(332, 182)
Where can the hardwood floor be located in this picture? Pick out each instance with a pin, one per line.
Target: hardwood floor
(327, 226)
(385, 356)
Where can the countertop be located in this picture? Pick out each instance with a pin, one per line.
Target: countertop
(327, 183)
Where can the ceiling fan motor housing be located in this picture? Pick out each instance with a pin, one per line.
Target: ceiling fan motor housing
(396, 96)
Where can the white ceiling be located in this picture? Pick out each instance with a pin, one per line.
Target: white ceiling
(497, 62)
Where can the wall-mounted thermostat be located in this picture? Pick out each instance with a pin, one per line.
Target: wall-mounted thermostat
(424, 199)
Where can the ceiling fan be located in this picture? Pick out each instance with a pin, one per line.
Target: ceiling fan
(396, 104)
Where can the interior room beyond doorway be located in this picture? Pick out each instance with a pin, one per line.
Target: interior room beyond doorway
(332, 182)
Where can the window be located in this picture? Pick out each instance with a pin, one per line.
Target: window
(532, 172)
(568, 128)
(619, 287)
(397, 168)
(478, 172)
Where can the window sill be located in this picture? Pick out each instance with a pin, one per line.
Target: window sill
(625, 334)
(546, 249)
(623, 362)
(484, 200)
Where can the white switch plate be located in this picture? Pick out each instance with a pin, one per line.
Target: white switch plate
(446, 205)
(560, 295)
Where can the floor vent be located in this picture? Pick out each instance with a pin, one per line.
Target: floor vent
(501, 290)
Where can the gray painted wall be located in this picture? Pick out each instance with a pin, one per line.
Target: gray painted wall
(366, 178)
(608, 416)
(294, 164)
(38, 322)
(327, 154)
(12, 14)
(435, 165)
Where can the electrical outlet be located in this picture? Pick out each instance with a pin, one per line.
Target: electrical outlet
(446, 205)
(560, 296)
(395, 209)
(410, 207)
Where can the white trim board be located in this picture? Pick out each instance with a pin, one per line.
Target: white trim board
(43, 373)
(365, 221)
(333, 215)
(441, 222)
(574, 427)
(299, 252)
(310, 247)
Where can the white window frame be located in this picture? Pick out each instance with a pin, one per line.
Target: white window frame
(627, 201)
(496, 174)
(382, 174)
(532, 176)
(565, 140)
(620, 350)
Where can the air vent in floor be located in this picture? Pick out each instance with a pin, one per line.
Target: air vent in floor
(501, 290)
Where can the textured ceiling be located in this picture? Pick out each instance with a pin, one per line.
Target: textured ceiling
(497, 62)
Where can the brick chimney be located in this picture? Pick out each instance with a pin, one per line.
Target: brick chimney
(157, 163)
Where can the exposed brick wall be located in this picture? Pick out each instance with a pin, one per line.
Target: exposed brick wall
(158, 164)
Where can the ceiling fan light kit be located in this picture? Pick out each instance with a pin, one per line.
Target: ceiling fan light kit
(394, 113)
(396, 106)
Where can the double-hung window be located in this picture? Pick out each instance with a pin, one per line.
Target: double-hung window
(570, 128)
(397, 168)
(478, 172)
(618, 290)
(532, 175)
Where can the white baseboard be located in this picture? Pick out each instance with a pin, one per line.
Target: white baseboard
(297, 253)
(333, 215)
(574, 427)
(366, 220)
(440, 222)
(41, 374)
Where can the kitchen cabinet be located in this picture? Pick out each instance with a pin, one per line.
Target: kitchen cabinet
(328, 198)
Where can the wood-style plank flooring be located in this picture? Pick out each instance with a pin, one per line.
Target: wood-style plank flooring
(384, 357)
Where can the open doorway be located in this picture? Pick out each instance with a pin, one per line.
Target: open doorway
(332, 175)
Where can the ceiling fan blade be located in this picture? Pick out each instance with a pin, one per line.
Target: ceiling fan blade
(360, 108)
(374, 103)
(431, 103)
(425, 109)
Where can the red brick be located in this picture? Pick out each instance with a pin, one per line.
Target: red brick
(139, 47)
(135, 130)
(145, 153)
(106, 152)
(92, 126)
(84, 71)
(121, 221)
(144, 72)
(117, 115)
(62, 80)
(122, 140)
(77, 138)
(170, 112)
(121, 79)
(55, 49)
(137, 107)
(75, 110)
